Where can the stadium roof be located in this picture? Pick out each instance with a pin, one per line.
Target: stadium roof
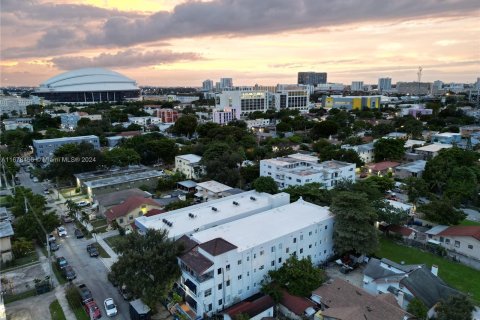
(88, 79)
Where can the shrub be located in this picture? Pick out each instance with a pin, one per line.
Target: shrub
(73, 297)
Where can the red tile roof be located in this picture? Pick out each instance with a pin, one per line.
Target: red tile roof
(217, 246)
(404, 231)
(128, 206)
(154, 212)
(251, 308)
(462, 231)
(384, 165)
(296, 304)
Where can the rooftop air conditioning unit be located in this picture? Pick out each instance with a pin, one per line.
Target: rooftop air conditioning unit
(236, 203)
(214, 209)
(253, 198)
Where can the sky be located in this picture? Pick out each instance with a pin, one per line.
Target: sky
(182, 43)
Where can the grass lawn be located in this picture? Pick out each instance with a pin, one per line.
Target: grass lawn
(113, 241)
(81, 314)
(3, 201)
(101, 229)
(16, 263)
(14, 297)
(58, 274)
(56, 311)
(457, 275)
(469, 223)
(102, 251)
(98, 223)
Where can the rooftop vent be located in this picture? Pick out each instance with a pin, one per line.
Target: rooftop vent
(214, 209)
(236, 203)
(191, 215)
(253, 198)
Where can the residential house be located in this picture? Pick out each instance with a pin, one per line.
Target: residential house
(447, 138)
(187, 186)
(410, 169)
(464, 240)
(134, 207)
(296, 308)
(382, 168)
(402, 231)
(430, 151)
(410, 144)
(341, 300)
(468, 131)
(211, 190)
(105, 201)
(397, 135)
(6, 233)
(256, 308)
(189, 165)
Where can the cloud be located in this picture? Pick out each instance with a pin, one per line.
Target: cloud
(130, 58)
(445, 42)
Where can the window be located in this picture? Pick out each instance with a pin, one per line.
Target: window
(447, 241)
(261, 253)
(279, 260)
(272, 263)
(261, 267)
(326, 227)
(208, 292)
(227, 283)
(294, 240)
(248, 273)
(220, 286)
(310, 233)
(298, 180)
(219, 271)
(301, 251)
(325, 251)
(120, 220)
(301, 237)
(280, 246)
(273, 249)
(227, 267)
(210, 307)
(441, 239)
(239, 262)
(457, 244)
(309, 246)
(248, 258)
(470, 246)
(220, 302)
(287, 250)
(254, 256)
(239, 277)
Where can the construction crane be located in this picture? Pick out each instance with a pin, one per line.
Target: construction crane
(419, 78)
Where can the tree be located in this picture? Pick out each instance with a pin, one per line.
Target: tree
(389, 149)
(177, 205)
(382, 129)
(390, 214)
(442, 212)
(121, 157)
(185, 125)
(250, 173)
(382, 183)
(310, 192)
(265, 184)
(354, 230)
(416, 188)
(455, 307)
(324, 129)
(147, 265)
(298, 277)
(417, 308)
(21, 247)
(169, 182)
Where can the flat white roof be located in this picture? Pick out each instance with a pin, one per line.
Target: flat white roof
(205, 216)
(435, 147)
(415, 166)
(65, 139)
(304, 157)
(192, 158)
(263, 227)
(213, 186)
(400, 205)
(447, 134)
(410, 143)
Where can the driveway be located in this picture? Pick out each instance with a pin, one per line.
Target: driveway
(355, 277)
(473, 215)
(31, 308)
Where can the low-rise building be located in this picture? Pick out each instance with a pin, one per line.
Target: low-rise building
(82, 178)
(226, 115)
(447, 138)
(464, 240)
(396, 135)
(167, 115)
(16, 106)
(229, 261)
(125, 213)
(468, 131)
(383, 168)
(410, 169)
(189, 165)
(352, 102)
(45, 148)
(13, 125)
(430, 151)
(6, 233)
(341, 300)
(256, 308)
(258, 123)
(299, 169)
(366, 151)
(210, 190)
(105, 201)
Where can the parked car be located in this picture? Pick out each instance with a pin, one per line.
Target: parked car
(69, 273)
(82, 203)
(61, 231)
(35, 179)
(62, 262)
(110, 307)
(92, 250)
(124, 292)
(51, 238)
(85, 293)
(93, 311)
(54, 246)
(66, 219)
(46, 191)
(78, 233)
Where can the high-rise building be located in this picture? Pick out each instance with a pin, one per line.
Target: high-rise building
(207, 85)
(384, 84)
(357, 86)
(226, 83)
(312, 78)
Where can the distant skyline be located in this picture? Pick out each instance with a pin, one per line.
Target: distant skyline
(182, 43)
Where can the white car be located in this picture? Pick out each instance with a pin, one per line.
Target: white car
(62, 232)
(82, 203)
(110, 307)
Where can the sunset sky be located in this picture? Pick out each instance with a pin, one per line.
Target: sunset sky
(167, 42)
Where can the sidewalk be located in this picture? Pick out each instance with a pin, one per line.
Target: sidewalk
(113, 256)
(62, 299)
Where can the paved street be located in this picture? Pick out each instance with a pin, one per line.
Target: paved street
(90, 271)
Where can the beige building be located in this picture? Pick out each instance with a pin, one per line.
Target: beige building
(189, 165)
(462, 239)
(6, 232)
(125, 213)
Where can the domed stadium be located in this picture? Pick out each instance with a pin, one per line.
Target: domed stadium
(89, 85)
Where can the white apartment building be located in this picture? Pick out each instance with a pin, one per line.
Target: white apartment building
(292, 97)
(227, 263)
(298, 169)
(258, 123)
(13, 105)
(189, 165)
(213, 213)
(248, 100)
(366, 151)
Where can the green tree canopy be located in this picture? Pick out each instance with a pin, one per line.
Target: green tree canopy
(298, 277)
(389, 149)
(310, 192)
(415, 188)
(147, 265)
(121, 157)
(324, 129)
(443, 212)
(417, 308)
(185, 125)
(265, 184)
(456, 307)
(390, 214)
(354, 218)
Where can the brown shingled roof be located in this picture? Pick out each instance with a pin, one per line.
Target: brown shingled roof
(128, 206)
(462, 231)
(251, 308)
(404, 231)
(217, 246)
(196, 261)
(296, 304)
